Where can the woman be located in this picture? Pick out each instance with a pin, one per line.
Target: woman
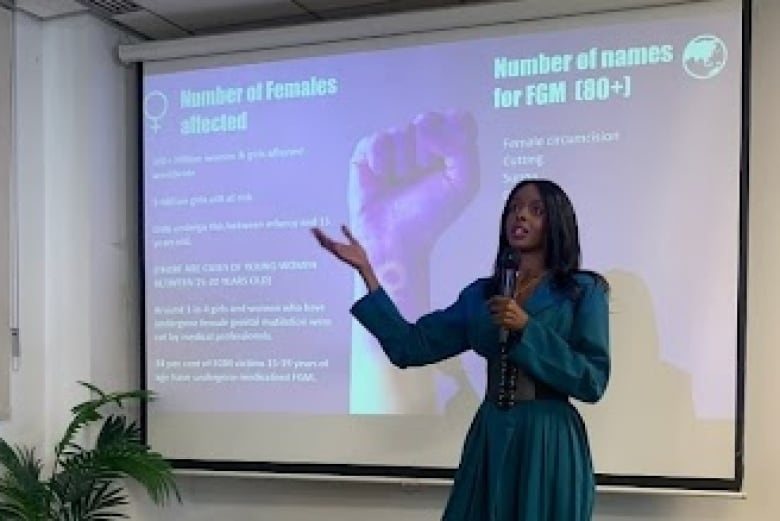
(526, 456)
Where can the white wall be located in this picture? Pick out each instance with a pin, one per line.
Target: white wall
(6, 162)
(76, 199)
(79, 313)
(28, 387)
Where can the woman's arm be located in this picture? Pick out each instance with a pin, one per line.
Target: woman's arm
(434, 337)
(579, 367)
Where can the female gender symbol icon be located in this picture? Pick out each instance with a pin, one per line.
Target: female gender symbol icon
(155, 108)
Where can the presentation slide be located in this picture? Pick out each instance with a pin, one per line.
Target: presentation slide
(414, 143)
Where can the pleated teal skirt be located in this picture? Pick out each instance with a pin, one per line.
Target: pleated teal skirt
(531, 462)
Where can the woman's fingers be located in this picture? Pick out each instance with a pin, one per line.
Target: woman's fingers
(320, 236)
(496, 304)
(348, 234)
(325, 241)
(331, 244)
(505, 312)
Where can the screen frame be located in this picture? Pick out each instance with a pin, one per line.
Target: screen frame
(439, 475)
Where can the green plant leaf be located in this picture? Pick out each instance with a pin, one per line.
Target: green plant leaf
(100, 503)
(87, 412)
(23, 494)
(85, 483)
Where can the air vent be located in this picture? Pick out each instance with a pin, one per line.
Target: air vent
(111, 7)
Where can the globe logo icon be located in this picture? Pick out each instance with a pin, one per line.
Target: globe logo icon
(704, 57)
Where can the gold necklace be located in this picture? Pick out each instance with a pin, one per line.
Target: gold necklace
(526, 283)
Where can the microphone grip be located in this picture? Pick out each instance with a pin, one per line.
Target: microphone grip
(508, 281)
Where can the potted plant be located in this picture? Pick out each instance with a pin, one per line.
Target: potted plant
(84, 483)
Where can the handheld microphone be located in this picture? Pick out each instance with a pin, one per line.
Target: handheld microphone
(509, 264)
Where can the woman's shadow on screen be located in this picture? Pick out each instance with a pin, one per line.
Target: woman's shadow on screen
(648, 406)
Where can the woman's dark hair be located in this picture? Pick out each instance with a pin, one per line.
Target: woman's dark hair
(562, 242)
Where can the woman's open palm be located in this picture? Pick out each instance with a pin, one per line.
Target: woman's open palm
(351, 252)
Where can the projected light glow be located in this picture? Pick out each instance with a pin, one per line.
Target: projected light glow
(414, 144)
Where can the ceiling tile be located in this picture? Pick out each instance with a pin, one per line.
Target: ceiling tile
(201, 16)
(347, 8)
(327, 5)
(150, 25)
(49, 8)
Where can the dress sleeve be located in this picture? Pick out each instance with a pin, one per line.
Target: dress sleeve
(434, 337)
(579, 366)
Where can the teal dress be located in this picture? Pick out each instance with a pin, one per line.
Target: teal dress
(531, 461)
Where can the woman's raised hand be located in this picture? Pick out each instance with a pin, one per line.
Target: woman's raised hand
(350, 252)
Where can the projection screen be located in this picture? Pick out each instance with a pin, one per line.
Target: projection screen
(249, 343)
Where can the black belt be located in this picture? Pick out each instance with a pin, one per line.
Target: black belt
(508, 385)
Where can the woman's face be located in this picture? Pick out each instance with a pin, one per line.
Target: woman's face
(525, 223)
